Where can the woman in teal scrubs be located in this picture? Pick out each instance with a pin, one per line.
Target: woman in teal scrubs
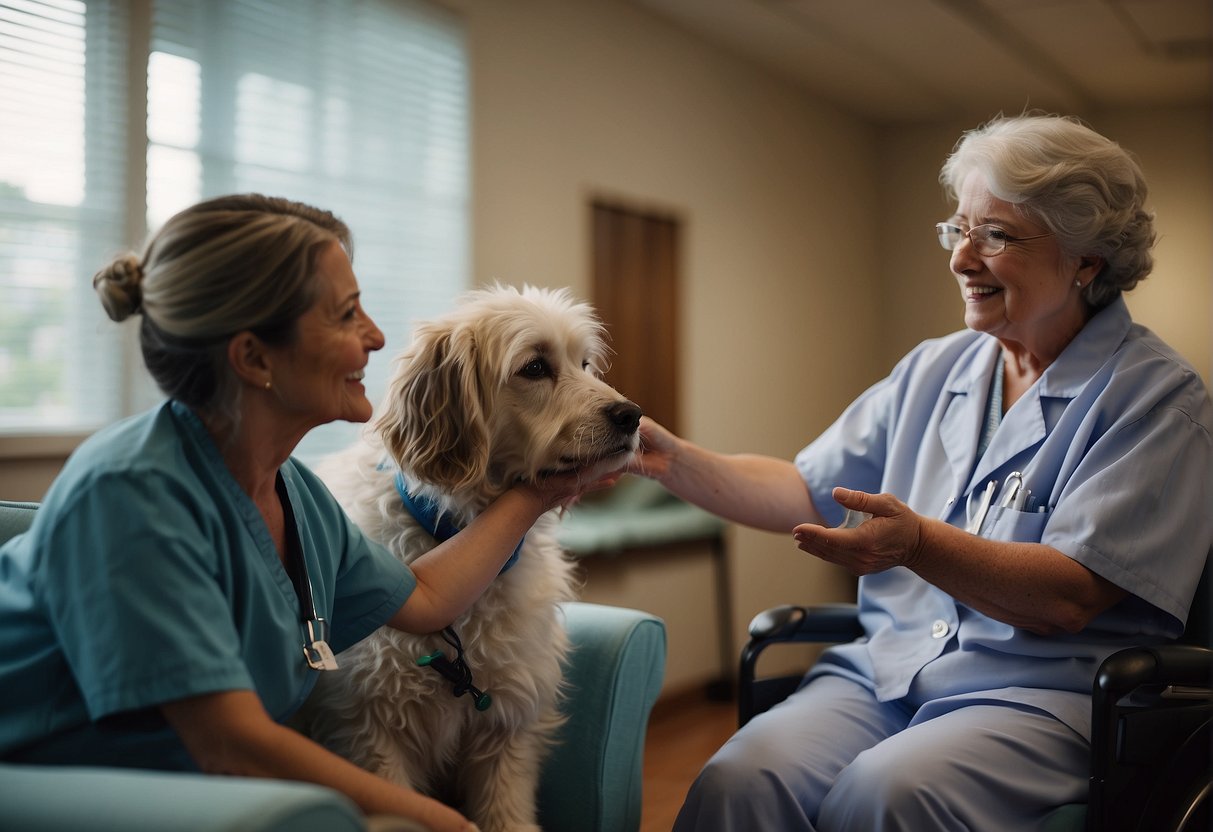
(1037, 486)
(185, 579)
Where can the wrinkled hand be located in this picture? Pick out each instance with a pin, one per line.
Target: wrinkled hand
(893, 537)
(433, 817)
(457, 823)
(656, 451)
(564, 490)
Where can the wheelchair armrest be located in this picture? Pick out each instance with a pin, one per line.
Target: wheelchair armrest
(820, 622)
(1166, 665)
(790, 624)
(1146, 703)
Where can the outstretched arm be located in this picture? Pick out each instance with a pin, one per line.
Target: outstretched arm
(759, 491)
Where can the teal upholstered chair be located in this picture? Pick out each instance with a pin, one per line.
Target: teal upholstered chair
(591, 783)
(1151, 736)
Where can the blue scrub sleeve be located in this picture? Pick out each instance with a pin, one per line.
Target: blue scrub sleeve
(371, 587)
(134, 594)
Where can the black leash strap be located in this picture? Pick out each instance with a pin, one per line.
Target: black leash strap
(457, 671)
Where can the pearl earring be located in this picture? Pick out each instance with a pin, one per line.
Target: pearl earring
(268, 384)
(1077, 283)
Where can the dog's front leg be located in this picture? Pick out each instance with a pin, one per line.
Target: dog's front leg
(380, 754)
(501, 778)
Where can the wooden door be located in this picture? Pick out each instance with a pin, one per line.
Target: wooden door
(635, 288)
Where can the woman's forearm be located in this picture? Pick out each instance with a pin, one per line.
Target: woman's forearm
(455, 573)
(230, 733)
(758, 491)
(1028, 585)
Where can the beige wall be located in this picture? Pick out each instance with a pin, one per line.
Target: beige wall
(775, 193)
(1175, 148)
(809, 265)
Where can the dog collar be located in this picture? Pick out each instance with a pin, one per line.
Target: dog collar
(427, 512)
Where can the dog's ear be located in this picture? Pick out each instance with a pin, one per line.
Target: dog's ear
(432, 421)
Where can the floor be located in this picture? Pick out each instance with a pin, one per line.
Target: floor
(683, 732)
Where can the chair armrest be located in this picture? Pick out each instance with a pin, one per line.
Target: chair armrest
(787, 624)
(1166, 665)
(55, 798)
(1138, 679)
(821, 622)
(1147, 702)
(592, 780)
(15, 518)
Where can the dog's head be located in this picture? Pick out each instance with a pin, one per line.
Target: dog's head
(507, 386)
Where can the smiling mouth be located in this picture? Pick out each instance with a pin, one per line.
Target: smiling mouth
(981, 292)
(359, 375)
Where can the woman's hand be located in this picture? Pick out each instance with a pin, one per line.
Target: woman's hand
(441, 818)
(892, 537)
(656, 452)
(452, 575)
(564, 490)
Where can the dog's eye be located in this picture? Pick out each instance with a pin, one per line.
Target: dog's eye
(536, 368)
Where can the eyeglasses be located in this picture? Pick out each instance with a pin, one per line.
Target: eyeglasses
(988, 240)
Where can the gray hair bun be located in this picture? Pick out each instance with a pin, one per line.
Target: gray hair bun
(119, 286)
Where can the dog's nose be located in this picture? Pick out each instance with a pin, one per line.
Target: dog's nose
(625, 415)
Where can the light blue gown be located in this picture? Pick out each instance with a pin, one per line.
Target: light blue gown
(942, 717)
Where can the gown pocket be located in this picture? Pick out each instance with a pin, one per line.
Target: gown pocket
(1014, 526)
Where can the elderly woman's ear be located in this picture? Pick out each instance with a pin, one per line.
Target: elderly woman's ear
(1089, 267)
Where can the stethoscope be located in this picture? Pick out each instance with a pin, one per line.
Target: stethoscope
(316, 650)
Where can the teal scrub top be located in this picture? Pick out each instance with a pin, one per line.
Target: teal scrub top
(149, 576)
(1113, 440)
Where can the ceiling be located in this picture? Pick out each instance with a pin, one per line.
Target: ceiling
(897, 61)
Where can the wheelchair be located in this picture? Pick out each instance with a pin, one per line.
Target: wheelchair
(1151, 736)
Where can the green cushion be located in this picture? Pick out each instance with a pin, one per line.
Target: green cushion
(1072, 818)
(635, 513)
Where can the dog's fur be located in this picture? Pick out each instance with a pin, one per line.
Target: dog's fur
(505, 387)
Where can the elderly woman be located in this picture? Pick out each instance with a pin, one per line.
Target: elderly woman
(185, 579)
(1037, 487)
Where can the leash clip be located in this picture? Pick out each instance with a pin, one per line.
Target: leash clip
(456, 672)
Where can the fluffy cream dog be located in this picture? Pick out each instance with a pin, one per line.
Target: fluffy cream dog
(506, 386)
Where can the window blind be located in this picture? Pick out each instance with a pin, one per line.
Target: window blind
(358, 106)
(62, 173)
